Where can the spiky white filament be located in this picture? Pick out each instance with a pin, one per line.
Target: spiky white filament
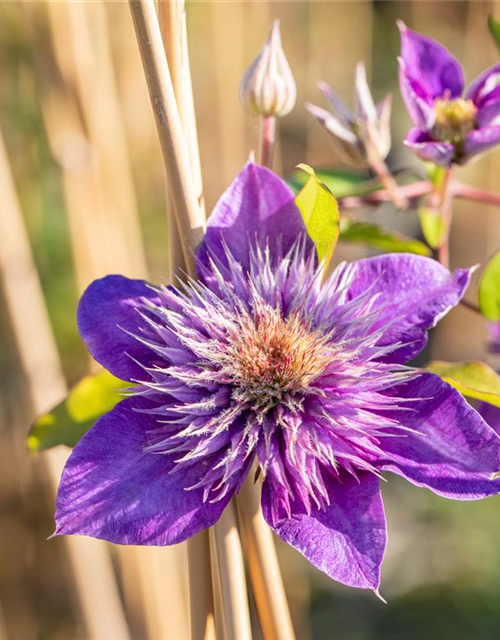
(274, 366)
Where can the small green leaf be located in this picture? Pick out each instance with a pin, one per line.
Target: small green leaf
(435, 174)
(494, 27)
(432, 226)
(92, 397)
(474, 379)
(489, 289)
(381, 239)
(342, 183)
(320, 214)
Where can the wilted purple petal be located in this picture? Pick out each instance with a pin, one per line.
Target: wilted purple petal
(257, 209)
(430, 65)
(452, 451)
(479, 141)
(414, 294)
(441, 153)
(347, 539)
(481, 89)
(107, 316)
(113, 490)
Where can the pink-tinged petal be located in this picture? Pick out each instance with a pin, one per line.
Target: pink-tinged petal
(419, 106)
(485, 87)
(107, 316)
(113, 490)
(413, 294)
(257, 209)
(430, 65)
(479, 141)
(441, 153)
(451, 451)
(346, 540)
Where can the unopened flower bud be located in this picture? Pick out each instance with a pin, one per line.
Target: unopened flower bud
(268, 87)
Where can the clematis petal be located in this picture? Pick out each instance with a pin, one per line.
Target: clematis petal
(414, 293)
(481, 89)
(419, 106)
(488, 114)
(479, 141)
(441, 153)
(346, 540)
(107, 316)
(430, 65)
(452, 450)
(113, 490)
(259, 208)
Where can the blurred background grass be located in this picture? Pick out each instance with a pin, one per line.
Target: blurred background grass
(64, 137)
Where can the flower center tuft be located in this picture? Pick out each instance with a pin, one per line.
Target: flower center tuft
(454, 118)
(272, 359)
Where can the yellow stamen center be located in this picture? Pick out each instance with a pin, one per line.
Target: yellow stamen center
(454, 118)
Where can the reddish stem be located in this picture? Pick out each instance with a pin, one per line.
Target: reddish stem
(467, 192)
(268, 141)
(409, 192)
(446, 202)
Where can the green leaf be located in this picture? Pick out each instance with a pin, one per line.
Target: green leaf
(320, 214)
(474, 379)
(432, 226)
(341, 182)
(494, 27)
(381, 239)
(489, 289)
(69, 421)
(435, 174)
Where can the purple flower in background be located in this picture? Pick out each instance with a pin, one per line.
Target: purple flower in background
(260, 362)
(449, 126)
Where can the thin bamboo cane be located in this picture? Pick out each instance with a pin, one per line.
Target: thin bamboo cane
(189, 217)
(236, 618)
(188, 213)
(172, 20)
(265, 572)
(93, 573)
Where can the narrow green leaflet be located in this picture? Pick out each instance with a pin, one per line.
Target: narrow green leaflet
(342, 183)
(474, 379)
(381, 239)
(494, 27)
(92, 397)
(432, 226)
(320, 214)
(488, 293)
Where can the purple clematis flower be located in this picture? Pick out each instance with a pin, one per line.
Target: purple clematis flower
(450, 126)
(261, 363)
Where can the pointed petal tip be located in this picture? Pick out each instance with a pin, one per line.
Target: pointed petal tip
(401, 26)
(379, 596)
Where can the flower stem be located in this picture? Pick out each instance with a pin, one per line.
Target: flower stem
(268, 141)
(446, 209)
(396, 195)
(265, 573)
(410, 192)
(467, 192)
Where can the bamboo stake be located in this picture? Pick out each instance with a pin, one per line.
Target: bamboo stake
(234, 597)
(92, 569)
(265, 572)
(189, 217)
(172, 20)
